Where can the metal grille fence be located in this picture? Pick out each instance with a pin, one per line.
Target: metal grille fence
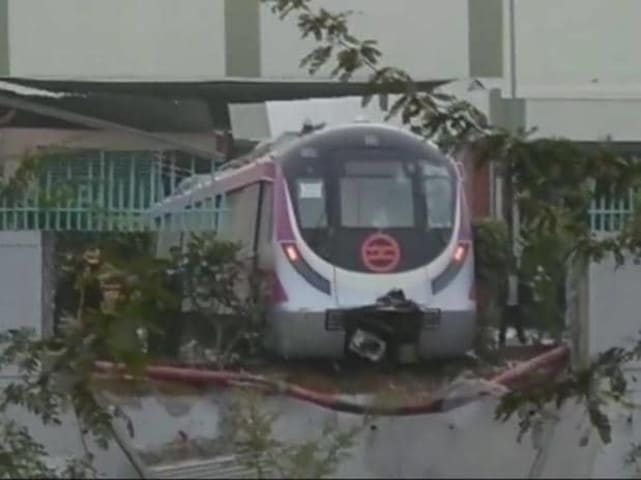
(610, 213)
(108, 191)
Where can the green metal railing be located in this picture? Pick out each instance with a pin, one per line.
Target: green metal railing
(610, 213)
(92, 190)
(108, 191)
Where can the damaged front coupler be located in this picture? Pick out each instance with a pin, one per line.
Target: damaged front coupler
(383, 329)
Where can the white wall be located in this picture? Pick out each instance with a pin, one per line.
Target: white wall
(270, 119)
(615, 305)
(465, 442)
(21, 280)
(429, 38)
(576, 48)
(174, 39)
(586, 120)
(615, 321)
(577, 66)
(163, 39)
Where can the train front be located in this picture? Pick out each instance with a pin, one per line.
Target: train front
(373, 253)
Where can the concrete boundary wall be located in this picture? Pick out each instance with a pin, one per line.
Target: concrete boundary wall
(21, 280)
(466, 442)
(461, 443)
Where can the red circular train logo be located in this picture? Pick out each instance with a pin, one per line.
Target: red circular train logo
(380, 253)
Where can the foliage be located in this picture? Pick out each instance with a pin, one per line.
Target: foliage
(23, 187)
(110, 291)
(113, 289)
(595, 388)
(49, 383)
(124, 246)
(252, 427)
(224, 298)
(633, 457)
(30, 462)
(138, 295)
(553, 181)
(435, 115)
(12, 187)
(111, 297)
(225, 294)
(493, 253)
(55, 372)
(493, 261)
(23, 457)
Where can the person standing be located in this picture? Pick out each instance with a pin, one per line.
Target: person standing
(511, 313)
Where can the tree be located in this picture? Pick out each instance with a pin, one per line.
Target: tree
(553, 182)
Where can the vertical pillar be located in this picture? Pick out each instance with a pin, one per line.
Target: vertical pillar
(242, 38)
(49, 281)
(578, 312)
(5, 66)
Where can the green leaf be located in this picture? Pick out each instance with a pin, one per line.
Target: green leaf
(383, 101)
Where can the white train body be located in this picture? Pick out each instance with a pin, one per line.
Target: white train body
(340, 217)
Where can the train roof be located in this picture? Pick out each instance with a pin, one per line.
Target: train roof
(320, 136)
(278, 149)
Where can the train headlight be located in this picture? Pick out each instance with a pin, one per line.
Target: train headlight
(460, 252)
(292, 252)
(453, 268)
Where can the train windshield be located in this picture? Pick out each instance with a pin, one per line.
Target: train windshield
(376, 195)
(341, 200)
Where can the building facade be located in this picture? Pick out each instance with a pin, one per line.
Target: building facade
(565, 67)
(206, 39)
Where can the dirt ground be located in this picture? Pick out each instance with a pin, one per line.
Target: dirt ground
(350, 378)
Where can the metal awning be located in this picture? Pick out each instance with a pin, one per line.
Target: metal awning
(227, 90)
(149, 108)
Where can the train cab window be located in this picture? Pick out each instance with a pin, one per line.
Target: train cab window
(311, 203)
(307, 185)
(376, 195)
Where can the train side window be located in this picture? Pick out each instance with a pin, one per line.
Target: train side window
(239, 219)
(264, 248)
(266, 223)
(225, 223)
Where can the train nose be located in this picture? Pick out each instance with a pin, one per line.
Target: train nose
(349, 293)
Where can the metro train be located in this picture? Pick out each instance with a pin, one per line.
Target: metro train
(366, 232)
